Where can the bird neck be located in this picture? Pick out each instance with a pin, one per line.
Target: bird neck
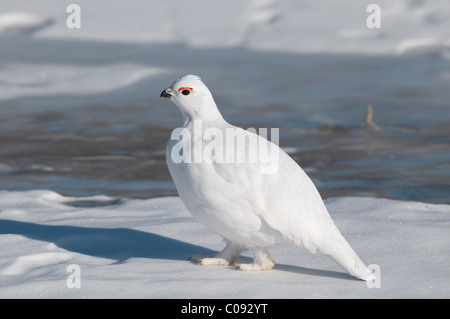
(207, 111)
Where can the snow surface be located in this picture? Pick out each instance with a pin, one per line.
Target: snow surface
(130, 248)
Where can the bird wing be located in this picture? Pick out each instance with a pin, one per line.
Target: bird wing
(283, 200)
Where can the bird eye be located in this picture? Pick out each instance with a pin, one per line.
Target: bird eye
(185, 92)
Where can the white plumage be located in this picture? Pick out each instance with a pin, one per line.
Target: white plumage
(250, 208)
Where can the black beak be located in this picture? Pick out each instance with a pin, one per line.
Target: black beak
(165, 94)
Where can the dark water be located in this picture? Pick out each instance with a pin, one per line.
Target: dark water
(114, 143)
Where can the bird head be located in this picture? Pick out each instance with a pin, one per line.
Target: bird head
(192, 97)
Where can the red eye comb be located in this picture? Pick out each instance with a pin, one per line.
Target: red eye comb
(184, 88)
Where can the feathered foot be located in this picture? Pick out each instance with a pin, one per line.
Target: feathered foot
(210, 261)
(261, 261)
(225, 258)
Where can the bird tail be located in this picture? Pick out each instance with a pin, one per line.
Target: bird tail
(340, 250)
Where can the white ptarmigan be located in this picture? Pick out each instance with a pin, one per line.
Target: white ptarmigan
(250, 206)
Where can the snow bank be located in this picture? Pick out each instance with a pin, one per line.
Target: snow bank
(19, 23)
(288, 26)
(52, 79)
(139, 248)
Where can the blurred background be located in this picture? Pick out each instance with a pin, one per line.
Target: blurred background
(80, 112)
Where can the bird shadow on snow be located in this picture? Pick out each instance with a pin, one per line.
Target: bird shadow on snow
(113, 243)
(315, 272)
(119, 244)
